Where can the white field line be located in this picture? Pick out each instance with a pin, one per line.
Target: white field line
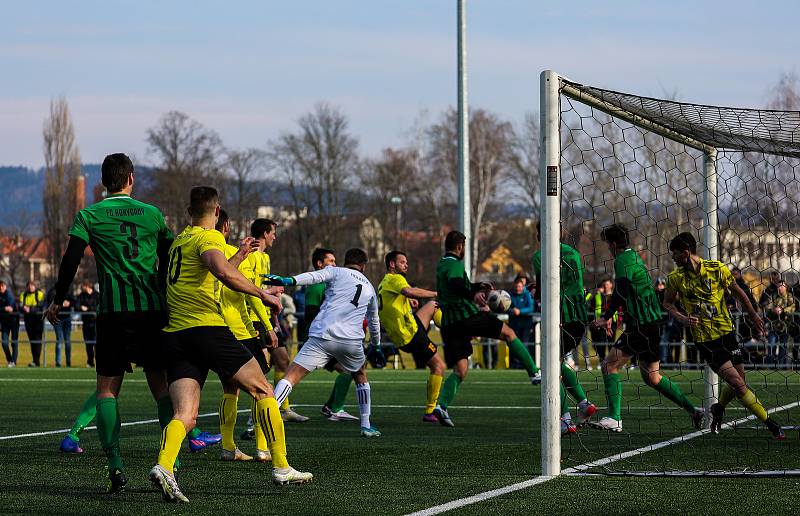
(480, 497)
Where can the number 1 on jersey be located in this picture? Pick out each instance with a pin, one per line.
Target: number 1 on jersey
(358, 295)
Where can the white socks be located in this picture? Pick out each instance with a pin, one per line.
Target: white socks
(282, 390)
(364, 403)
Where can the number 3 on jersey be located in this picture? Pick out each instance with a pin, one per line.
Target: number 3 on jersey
(174, 270)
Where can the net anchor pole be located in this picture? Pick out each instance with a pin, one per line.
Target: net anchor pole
(550, 177)
(711, 251)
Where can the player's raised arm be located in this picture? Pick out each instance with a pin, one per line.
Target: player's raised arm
(230, 276)
(307, 278)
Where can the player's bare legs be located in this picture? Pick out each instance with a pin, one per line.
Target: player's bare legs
(280, 363)
(228, 413)
(426, 312)
(364, 396)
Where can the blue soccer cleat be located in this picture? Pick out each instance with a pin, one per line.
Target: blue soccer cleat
(203, 441)
(70, 445)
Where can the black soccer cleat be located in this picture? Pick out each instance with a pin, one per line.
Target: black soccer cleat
(775, 429)
(116, 482)
(717, 417)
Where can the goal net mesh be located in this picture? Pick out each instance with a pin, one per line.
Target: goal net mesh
(639, 162)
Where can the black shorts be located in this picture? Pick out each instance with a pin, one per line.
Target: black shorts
(718, 351)
(193, 351)
(643, 342)
(125, 338)
(262, 335)
(420, 346)
(254, 347)
(458, 336)
(571, 335)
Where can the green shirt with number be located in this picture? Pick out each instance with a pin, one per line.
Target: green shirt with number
(634, 284)
(124, 234)
(573, 302)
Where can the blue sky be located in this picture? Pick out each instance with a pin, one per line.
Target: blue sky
(249, 69)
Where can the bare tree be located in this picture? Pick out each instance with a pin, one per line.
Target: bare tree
(523, 163)
(489, 143)
(785, 94)
(244, 168)
(186, 154)
(62, 167)
(16, 248)
(318, 162)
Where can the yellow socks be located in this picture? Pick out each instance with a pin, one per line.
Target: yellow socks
(278, 377)
(433, 388)
(261, 440)
(752, 404)
(269, 417)
(171, 439)
(228, 406)
(726, 395)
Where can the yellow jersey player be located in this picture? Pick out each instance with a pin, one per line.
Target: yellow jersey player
(409, 331)
(701, 286)
(198, 340)
(265, 231)
(234, 311)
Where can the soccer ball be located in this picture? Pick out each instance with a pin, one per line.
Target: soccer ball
(499, 301)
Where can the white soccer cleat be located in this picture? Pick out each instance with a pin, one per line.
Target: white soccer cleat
(610, 424)
(235, 455)
(567, 427)
(290, 416)
(342, 415)
(166, 483)
(536, 379)
(370, 432)
(263, 456)
(284, 476)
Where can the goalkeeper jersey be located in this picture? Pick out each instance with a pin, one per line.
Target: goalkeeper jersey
(573, 304)
(192, 296)
(124, 234)
(395, 309)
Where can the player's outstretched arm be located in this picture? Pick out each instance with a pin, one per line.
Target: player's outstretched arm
(230, 276)
(306, 278)
(66, 273)
(418, 293)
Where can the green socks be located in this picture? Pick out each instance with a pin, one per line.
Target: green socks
(194, 433)
(613, 385)
(570, 380)
(563, 393)
(449, 388)
(340, 387)
(108, 425)
(86, 416)
(673, 393)
(522, 354)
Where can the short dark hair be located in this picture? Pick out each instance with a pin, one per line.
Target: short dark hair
(615, 234)
(261, 226)
(392, 257)
(116, 170)
(355, 256)
(683, 242)
(202, 200)
(319, 254)
(453, 239)
(223, 218)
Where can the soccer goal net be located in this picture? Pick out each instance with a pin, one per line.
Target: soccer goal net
(729, 177)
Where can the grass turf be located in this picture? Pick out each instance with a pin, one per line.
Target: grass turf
(412, 467)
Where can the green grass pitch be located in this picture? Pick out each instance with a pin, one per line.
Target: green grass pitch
(414, 466)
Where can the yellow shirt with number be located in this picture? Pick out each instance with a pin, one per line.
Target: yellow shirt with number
(703, 296)
(395, 309)
(191, 288)
(234, 307)
(253, 268)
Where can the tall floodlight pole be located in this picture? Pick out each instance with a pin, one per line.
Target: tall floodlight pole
(464, 203)
(550, 188)
(711, 251)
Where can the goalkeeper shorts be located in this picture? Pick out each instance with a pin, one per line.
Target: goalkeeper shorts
(317, 352)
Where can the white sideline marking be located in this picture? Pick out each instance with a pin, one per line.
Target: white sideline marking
(480, 497)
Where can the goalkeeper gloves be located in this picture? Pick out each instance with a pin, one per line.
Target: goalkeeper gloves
(281, 281)
(376, 357)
